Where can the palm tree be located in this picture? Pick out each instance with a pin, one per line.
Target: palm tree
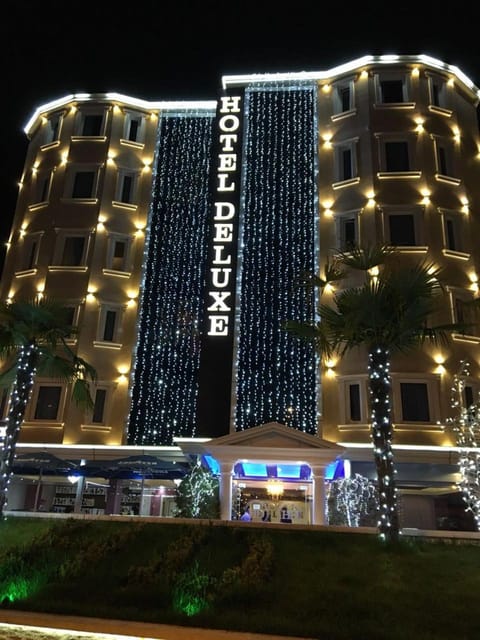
(391, 310)
(33, 341)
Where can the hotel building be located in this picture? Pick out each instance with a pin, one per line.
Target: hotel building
(175, 232)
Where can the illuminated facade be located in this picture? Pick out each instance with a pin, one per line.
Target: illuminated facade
(175, 232)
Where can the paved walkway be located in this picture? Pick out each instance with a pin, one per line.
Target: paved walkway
(125, 629)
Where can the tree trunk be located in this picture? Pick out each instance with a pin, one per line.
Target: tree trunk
(22, 388)
(381, 429)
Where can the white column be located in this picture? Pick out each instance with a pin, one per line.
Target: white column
(80, 486)
(225, 492)
(319, 494)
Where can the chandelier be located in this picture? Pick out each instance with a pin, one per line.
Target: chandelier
(274, 489)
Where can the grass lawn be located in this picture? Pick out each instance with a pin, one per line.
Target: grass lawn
(315, 584)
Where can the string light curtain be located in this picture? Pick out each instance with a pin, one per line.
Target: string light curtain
(165, 384)
(276, 375)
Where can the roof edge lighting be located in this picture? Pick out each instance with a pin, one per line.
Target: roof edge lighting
(357, 64)
(162, 105)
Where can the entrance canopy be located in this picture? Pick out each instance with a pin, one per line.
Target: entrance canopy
(270, 450)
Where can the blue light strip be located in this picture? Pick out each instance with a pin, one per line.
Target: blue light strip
(165, 385)
(275, 374)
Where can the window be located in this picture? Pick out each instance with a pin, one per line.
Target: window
(347, 230)
(343, 97)
(345, 161)
(468, 395)
(71, 318)
(134, 127)
(52, 128)
(118, 253)
(450, 235)
(354, 404)
(402, 229)
(48, 402)
(416, 399)
(353, 401)
(92, 125)
(397, 156)
(99, 406)
(4, 398)
(42, 186)
(453, 231)
(444, 156)
(83, 184)
(73, 254)
(414, 402)
(438, 92)
(109, 327)
(464, 312)
(126, 186)
(29, 255)
(392, 89)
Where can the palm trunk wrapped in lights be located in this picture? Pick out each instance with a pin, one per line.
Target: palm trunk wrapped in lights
(22, 389)
(466, 427)
(381, 425)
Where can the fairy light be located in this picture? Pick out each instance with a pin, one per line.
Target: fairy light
(165, 386)
(27, 357)
(273, 370)
(381, 433)
(466, 427)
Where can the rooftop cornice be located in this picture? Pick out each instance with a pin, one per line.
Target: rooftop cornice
(125, 101)
(359, 64)
(209, 106)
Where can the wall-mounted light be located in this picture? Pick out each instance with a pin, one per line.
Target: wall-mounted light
(330, 366)
(419, 122)
(327, 138)
(327, 207)
(474, 280)
(40, 290)
(425, 196)
(415, 72)
(132, 298)
(326, 88)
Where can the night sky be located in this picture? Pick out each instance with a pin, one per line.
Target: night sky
(174, 49)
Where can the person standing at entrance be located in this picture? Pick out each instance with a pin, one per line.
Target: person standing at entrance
(246, 517)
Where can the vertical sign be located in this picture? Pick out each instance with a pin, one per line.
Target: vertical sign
(216, 358)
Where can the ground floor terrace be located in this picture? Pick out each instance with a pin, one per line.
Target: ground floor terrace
(277, 474)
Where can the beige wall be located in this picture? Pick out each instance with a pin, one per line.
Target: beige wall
(101, 219)
(366, 126)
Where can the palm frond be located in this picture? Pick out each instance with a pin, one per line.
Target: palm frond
(313, 332)
(53, 365)
(332, 271)
(81, 394)
(8, 375)
(365, 258)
